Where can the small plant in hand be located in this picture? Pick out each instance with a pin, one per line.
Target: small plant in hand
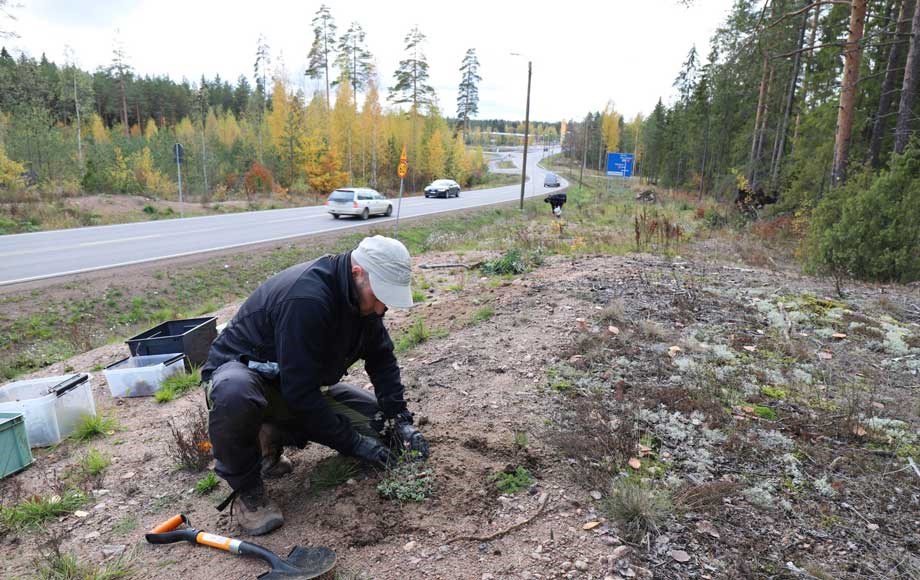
(91, 427)
(512, 479)
(36, 510)
(408, 480)
(189, 445)
(207, 484)
(333, 472)
(177, 385)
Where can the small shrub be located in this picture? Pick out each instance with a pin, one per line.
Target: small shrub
(637, 508)
(91, 427)
(207, 484)
(512, 479)
(190, 446)
(177, 385)
(36, 510)
(510, 263)
(520, 440)
(407, 481)
(333, 472)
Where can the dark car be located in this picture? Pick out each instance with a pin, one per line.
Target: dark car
(443, 188)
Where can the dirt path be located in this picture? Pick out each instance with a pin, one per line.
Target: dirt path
(573, 351)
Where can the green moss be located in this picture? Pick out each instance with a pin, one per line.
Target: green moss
(765, 412)
(774, 392)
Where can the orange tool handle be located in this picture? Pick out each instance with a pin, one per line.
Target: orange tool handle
(170, 524)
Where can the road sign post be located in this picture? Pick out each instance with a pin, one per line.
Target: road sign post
(401, 171)
(179, 152)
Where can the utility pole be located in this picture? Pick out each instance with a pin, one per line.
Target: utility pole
(526, 130)
(584, 156)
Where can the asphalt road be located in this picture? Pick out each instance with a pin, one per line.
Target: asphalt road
(39, 255)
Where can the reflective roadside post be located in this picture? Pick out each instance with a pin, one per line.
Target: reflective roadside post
(180, 156)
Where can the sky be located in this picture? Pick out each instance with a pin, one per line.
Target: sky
(584, 53)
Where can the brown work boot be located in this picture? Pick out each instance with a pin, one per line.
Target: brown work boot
(274, 463)
(257, 513)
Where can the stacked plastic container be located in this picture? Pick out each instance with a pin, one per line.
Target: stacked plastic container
(142, 376)
(52, 407)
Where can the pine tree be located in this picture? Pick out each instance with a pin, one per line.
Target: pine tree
(412, 75)
(323, 46)
(122, 70)
(468, 92)
(354, 60)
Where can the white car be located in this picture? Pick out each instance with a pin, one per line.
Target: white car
(358, 201)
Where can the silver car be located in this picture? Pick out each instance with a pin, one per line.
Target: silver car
(358, 201)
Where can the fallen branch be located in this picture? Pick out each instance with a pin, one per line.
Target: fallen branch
(507, 530)
(433, 266)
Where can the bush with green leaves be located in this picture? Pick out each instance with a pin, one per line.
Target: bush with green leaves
(407, 481)
(512, 480)
(510, 263)
(870, 228)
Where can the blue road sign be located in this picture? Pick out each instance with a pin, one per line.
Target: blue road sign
(619, 164)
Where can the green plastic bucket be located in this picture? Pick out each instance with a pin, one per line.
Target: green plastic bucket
(15, 454)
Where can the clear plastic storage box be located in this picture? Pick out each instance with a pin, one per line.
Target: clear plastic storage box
(51, 407)
(141, 376)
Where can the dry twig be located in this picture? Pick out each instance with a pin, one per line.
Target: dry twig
(496, 535)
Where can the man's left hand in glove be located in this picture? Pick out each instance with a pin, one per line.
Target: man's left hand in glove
(406, 437)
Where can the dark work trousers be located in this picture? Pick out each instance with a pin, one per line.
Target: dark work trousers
(240, 400)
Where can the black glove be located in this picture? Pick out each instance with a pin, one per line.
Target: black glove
(410, 440)
(371, 450)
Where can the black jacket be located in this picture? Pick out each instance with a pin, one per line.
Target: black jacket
(306, 319)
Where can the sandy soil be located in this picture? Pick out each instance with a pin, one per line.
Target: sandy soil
(489, 379)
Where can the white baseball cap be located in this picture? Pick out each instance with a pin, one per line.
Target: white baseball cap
(389, 268)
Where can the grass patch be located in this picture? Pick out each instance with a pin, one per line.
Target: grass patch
(57, 565)
(125, 525)
(91, 427)
(177, 385)
(333, 472)
(35, 511)
(512, 480)
(418, 296)
(407, 481)
(415, 335)
(94, 462)
(207, 484)
(483, 314)
(637, 508)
